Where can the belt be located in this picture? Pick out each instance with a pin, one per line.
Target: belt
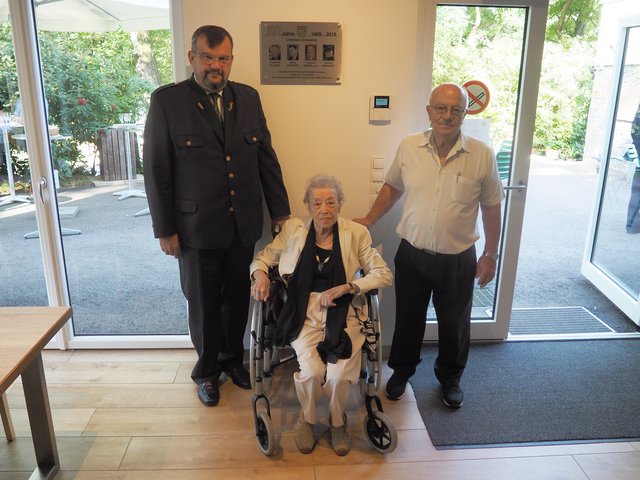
(423, 250)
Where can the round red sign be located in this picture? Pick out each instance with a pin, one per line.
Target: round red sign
(478, 96)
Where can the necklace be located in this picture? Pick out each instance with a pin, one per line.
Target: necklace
(323, 263)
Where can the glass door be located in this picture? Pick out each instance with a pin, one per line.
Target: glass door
(611, 260)
(22, 277)
(84, 99)
(498, 47)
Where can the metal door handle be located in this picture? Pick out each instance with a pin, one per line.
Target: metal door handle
(521, 186)
(42, 185)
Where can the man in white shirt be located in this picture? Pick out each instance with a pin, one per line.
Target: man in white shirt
(448, 178)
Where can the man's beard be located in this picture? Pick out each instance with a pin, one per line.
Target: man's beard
(215, 86)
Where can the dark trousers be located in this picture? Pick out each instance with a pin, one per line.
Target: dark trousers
(449, 279)
(634, 203)
(216, 284)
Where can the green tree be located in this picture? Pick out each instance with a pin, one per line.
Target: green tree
(573, 19)
(90, 79)
(482, 43)
(485, 43)
(567, 78)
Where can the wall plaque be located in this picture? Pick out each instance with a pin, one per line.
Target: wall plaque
(300, 53)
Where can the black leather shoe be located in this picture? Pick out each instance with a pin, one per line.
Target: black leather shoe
(395, 387)
(452, 396)
(240, 377)
(208, 393)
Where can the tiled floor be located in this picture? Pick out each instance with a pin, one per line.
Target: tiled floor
(134, 415)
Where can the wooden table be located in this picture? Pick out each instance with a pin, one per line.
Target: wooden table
(24, 332)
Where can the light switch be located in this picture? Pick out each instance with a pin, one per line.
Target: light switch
(377, 162)
(377, 176)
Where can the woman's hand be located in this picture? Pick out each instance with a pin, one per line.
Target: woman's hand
(328, 296)
(260, 286)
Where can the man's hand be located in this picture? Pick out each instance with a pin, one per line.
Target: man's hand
(276, 225)
(387, 198)
(170, 245)
(485, 270)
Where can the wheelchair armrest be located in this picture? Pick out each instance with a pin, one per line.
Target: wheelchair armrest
(370, 293)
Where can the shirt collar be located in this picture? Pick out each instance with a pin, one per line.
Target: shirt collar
(462, 142)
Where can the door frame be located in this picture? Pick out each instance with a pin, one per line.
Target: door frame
(621, 298)
(497, 328)
(37, 139)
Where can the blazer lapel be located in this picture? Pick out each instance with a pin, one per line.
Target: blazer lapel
(209, 115)
(205, 107)
(345, 245)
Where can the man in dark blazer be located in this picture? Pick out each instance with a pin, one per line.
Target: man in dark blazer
(208, 161)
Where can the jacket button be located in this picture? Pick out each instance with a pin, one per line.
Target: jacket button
(188, 143)
(231, 175)
(231, 209)
(254, 139)
(228, 158)
(232, 193)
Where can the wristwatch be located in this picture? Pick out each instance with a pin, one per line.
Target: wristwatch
(492, 256)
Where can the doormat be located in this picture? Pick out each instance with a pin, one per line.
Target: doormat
(555, 321)
(520, 393)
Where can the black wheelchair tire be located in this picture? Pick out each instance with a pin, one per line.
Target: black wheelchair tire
(265, 434)
(380, 432)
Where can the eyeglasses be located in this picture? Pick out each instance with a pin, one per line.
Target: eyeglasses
(210, 60)
(442, 109)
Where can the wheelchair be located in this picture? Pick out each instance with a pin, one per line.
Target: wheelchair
(265, 358)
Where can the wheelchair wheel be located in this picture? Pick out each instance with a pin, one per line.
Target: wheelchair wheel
(265, 434)
(381, 433)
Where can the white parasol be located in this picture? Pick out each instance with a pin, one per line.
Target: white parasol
(97, 15)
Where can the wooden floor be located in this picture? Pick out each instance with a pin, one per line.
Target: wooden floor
(134, 415)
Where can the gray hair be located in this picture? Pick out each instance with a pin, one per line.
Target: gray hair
(323, 181)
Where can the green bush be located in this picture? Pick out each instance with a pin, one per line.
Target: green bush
(89, 80)
(564, 99)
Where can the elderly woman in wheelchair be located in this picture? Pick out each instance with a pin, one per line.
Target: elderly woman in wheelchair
(321, 260)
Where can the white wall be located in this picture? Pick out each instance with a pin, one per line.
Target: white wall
(326, 128)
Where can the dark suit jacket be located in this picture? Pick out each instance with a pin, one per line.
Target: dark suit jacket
(202, 180)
